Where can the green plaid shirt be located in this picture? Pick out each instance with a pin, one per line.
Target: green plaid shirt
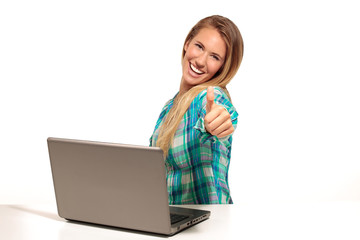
(197, 164)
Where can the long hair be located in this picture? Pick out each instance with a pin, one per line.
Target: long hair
(234, 53)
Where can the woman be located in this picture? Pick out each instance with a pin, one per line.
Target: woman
(194, 128)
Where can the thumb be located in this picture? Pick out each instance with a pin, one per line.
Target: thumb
(210, 99)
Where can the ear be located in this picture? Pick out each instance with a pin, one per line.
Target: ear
(186, 46)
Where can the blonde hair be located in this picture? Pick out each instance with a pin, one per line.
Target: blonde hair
(234, 53)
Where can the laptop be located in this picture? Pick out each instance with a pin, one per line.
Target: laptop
(116, 185)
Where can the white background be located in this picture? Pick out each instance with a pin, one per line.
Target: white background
(102, 70)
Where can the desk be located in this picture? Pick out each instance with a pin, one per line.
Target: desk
(318, 220)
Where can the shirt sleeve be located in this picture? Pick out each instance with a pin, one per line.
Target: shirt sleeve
(220, 99)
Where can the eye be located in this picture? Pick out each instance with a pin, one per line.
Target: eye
(199, 45)
(216, 57)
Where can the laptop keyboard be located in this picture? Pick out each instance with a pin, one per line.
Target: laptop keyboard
(177, 218)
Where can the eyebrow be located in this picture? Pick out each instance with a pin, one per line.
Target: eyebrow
(214, 53)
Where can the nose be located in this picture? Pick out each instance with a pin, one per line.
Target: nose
(201, 60)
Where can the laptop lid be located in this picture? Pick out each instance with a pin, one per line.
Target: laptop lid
(113, 184)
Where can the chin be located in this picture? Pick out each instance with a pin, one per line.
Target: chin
(192, 83)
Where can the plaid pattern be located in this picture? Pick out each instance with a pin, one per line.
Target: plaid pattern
(198, 163)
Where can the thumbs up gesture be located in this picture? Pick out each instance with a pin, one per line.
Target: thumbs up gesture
(217, 119)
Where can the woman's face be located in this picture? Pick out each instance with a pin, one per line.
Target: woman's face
(204, 56)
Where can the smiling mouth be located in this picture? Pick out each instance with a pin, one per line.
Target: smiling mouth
(194, 69)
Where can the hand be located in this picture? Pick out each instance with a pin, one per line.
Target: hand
(217, 118)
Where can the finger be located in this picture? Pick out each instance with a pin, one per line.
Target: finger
(226, 132)
(223, 126)
(216, 117)
(212, 115)
(210, 99)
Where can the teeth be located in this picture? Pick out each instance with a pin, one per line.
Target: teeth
(195, 69)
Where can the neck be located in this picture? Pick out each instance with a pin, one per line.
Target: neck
(183, 87)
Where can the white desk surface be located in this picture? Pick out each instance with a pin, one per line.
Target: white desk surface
(319, 220)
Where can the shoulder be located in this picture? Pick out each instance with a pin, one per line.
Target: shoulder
(169, 104)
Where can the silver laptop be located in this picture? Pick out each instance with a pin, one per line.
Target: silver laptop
(116, 185)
